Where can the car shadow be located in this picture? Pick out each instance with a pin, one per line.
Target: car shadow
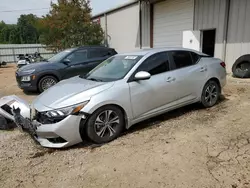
(153, 122)
(31, 92)
(6, 67)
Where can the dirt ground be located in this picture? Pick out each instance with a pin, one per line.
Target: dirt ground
(190, 147)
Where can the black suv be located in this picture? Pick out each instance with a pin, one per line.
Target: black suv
(68, 63)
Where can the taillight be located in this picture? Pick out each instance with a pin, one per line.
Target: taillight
(223, 64)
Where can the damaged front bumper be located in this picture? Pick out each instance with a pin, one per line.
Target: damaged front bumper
(8, 103)
(62, 134)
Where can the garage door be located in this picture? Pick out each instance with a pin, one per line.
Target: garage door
(171, 18)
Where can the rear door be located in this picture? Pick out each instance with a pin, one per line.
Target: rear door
(153, 95)
(190, 74)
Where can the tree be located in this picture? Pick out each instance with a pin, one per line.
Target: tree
(69, 24)
(24, 32)
(4, 35)
(14, 37)
(27, 29)
(2, 25)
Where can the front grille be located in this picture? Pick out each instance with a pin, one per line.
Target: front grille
(58, 140)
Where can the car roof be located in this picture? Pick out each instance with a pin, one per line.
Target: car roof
(84, 47)
(151, 51)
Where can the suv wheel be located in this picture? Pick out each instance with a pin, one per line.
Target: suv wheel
(46, 82)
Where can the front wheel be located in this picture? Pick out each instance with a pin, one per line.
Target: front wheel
(105, 124)
(46, 82)
(210, 94)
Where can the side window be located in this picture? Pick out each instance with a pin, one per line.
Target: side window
(112, 52)
(78, 56)
(182, 59)
(94, 53)
(155, 64)
(106, 52)
(101, 52)
(195, 57)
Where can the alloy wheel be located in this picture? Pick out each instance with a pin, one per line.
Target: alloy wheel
(211, 94)
(106, 123)
(47, 83)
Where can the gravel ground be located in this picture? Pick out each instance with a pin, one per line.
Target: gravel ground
(189, 147)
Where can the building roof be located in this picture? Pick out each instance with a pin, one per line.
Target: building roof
(132, 2)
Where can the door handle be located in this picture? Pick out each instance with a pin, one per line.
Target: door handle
(203, 69)
(170, 79)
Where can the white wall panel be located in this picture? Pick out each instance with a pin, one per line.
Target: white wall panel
(171, 18)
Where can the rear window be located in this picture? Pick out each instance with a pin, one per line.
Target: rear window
(100, 52)
(112, 51)
(195, 57)
(182, 59)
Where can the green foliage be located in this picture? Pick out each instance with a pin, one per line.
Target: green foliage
(24, 32)
(14, 35)
(26, 25)
(69, 24)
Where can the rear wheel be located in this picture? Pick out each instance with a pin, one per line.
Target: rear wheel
(210, 94)
(46, 82)
(105, 125)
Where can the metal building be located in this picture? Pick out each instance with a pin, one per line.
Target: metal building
(121, 26)
(217, 27)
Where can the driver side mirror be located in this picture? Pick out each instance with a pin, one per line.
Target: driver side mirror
(66, 61)
(142, 75)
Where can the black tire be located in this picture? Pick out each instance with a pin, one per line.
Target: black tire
(92, 129)
(210, 94)
(241, 67)
(42, 83)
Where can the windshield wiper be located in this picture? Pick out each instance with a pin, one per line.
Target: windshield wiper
(94, 79)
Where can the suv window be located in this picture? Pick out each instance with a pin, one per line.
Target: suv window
(78, 56)
(101, 52)
(155, 64)
(182, 59)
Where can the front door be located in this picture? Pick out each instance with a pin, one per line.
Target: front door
(150, 96)
(77, 64)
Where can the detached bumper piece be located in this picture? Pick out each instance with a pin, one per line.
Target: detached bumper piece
(23, 123)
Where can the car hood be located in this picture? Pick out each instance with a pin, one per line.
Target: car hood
(69, 92)
(33, 66)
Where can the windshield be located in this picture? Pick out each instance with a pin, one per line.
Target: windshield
(59, 56)
(114, 68)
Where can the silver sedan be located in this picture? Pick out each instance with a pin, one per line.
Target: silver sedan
(120, 92)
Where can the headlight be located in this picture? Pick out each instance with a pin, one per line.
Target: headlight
(29, 71)
(25, 78)
(72, 110)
